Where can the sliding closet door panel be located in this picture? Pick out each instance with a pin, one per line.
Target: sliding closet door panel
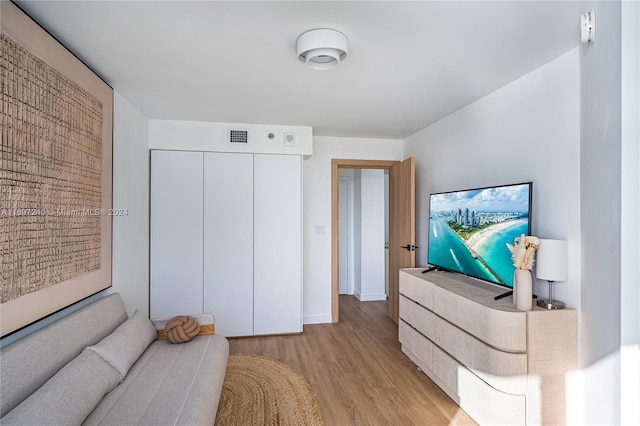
(228, 241)
(176, 233)
(277, 244)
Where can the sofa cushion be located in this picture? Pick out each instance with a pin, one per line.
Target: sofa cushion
(124, 346)
(28, 363)
(69, 396)
(169, 384)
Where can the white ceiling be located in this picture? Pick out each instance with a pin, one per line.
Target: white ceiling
(409, 63)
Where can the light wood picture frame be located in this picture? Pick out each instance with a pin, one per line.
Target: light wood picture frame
(55, 175)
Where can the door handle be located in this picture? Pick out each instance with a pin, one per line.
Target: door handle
(410, 247)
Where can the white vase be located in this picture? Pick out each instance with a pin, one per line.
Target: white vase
(524, 296)
(515, 290)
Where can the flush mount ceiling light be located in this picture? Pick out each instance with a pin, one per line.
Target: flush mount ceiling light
(322, 48)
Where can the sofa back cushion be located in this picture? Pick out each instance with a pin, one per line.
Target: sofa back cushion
(122, 348)
(69, 396)
(28, 363)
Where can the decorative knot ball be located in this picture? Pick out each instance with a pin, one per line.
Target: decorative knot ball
(181, 329)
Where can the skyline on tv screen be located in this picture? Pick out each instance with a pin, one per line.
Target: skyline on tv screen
(468, 230)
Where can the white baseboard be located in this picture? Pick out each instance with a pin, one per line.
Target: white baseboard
(317, 319)
(372, 297)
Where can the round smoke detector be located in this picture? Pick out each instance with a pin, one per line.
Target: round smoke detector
(322, 48)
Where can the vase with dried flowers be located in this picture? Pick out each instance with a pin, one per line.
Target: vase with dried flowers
(523, 255)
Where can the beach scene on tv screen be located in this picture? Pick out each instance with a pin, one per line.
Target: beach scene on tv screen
(468, 230)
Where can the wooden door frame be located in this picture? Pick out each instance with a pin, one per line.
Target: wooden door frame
(337, 164)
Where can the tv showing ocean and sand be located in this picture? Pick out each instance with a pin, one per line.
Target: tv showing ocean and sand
(469, 229)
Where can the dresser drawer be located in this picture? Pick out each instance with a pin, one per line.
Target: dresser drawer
(416, 343)
(503, 370)
(484, 403)
(506, 330)
(417, 289)
(417, 316)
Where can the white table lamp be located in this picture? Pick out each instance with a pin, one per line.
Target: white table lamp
(551, 265)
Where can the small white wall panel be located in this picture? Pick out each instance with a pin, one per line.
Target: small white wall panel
(228, 242)
(277, 244)
(176, 233)
(357, 233)
(372, 235)
(343, 247)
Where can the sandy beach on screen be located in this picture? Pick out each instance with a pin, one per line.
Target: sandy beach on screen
(478, 239)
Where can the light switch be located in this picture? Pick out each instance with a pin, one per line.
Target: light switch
(319, 229)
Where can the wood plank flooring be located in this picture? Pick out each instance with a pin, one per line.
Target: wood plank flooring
(357, 370)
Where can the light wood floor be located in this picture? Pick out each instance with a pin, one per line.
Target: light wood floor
(357, 370)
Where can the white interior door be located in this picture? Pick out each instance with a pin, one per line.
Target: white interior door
(176, 233)
(343, 246)
(277, 244)
(228, 241)
(372, 240)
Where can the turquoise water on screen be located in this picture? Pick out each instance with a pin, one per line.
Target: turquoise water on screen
(447, 250)
(496, 253)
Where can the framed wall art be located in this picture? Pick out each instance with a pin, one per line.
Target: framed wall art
(55, 175)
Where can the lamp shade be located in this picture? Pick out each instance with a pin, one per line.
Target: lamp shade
(552, 260)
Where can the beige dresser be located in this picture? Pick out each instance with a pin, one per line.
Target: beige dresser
(501, 365)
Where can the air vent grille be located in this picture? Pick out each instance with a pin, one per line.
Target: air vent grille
(238, 136)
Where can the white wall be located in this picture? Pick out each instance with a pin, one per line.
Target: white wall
(610, 97)
(630, 135)
(131, 192)
(317, 211)
(349, 175)
(357, 231)
(630, 192)
(372, 260)
(525, 131)
(600, 194)
(600, 204)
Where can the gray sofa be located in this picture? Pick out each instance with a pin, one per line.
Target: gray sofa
(97, 366)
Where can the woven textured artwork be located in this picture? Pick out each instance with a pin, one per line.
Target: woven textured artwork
(50, 176)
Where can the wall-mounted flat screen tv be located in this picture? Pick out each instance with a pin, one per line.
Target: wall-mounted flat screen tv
(469, 229)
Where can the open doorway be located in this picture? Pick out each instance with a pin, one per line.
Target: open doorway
(401, 224)
(363, 234)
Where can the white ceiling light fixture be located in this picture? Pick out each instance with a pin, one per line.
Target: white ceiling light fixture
(322, 48)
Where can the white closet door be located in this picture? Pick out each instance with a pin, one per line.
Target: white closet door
(277, 244)
(176, 233)
(228, 241)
